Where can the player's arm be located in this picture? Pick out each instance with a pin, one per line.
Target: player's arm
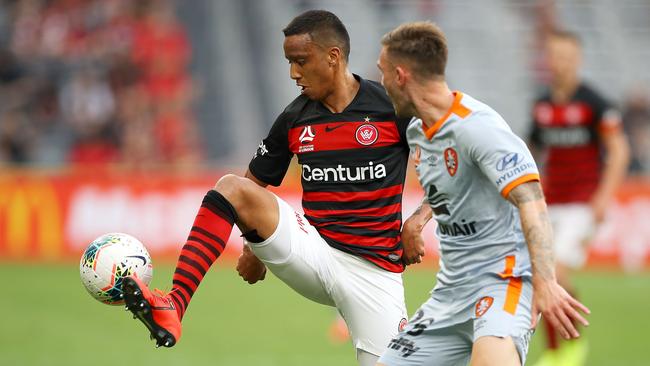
(412, 234)
(617, 159)
(270, 164)
(549, 297)
(249, 267)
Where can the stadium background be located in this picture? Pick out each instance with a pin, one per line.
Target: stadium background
(118, 115)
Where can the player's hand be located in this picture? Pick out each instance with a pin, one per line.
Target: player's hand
(599, 204)
(249, 267)
(558, 307)
(412, 242)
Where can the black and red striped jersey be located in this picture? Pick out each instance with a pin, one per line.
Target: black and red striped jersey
(570, 134)
(353, 167)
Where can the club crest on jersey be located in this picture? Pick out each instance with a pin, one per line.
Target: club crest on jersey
(483, 305)
(366, 134)
(402, 324)
(451, 160)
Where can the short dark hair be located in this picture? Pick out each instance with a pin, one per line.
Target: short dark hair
(421, 44)
(323, 27)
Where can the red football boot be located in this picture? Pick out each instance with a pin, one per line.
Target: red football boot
(158, 313)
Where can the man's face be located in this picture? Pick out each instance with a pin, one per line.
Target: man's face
(563, 57)
(309, 66)
(402, 105)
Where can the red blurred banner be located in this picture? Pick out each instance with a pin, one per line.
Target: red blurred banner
(55, 215)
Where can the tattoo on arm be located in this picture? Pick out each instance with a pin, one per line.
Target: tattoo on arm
(528, 197)
(530, 191)
(421, 215)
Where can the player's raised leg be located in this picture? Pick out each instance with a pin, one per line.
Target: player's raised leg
(234, 200)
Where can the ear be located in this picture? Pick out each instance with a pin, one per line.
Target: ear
(402, 75)
(334, 56)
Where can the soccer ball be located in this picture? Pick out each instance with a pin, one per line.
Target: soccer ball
(110, 258)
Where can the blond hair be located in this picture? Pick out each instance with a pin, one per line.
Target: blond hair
(422, 45)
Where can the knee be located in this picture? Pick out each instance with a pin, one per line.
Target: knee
(234, 188)
(239, 191)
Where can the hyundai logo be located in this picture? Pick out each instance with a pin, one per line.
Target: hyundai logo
(510, 160)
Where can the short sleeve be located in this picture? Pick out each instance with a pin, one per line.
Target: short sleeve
(534, 134)
(608, 117)
(403, 124)
(272, 158)
(502, 156)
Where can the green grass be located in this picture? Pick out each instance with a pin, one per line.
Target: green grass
(49, 319)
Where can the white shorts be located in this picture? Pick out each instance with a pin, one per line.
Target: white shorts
(444, 329)
(573, 225)
(370, 299)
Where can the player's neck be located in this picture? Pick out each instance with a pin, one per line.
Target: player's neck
(432, 101)
(563, 90)
(346, 88)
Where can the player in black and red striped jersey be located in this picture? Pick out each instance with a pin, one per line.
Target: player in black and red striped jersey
(574, 128)
(346, 250)
(353, 166)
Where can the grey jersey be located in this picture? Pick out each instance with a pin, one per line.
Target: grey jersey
(467, 163)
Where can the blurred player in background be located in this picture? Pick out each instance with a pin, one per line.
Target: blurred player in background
(578, 138)
(346, 250)
(496, 256)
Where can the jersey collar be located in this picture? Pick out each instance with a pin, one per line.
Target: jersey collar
(456, 108)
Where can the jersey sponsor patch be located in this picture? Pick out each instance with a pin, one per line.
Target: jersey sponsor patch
(451, 160)
(510, 160)
(366, 134)
(331, 128)
(463, 228)
(342, 173)
(306, 136)
(405, 347)
(512, 165)
(261, 150)
(483, 305)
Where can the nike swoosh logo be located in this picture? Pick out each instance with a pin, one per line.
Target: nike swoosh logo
(143, 259)
(330, 129)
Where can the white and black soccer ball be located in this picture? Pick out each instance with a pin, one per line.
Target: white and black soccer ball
(110, 258)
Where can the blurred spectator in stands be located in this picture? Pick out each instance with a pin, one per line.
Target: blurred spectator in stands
(636, 121)
(161, 48)
(88, 106)
(16, 138)
(100, 81)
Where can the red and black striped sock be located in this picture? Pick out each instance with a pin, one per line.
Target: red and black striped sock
(206, 242)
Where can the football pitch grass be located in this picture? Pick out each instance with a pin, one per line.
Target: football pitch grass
(49, 319)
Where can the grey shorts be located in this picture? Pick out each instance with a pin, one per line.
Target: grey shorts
(444, 329)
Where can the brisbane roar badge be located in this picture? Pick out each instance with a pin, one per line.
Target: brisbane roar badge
(483, 305)
(451, 160)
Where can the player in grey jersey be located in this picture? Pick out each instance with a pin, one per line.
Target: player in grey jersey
(482, 186)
